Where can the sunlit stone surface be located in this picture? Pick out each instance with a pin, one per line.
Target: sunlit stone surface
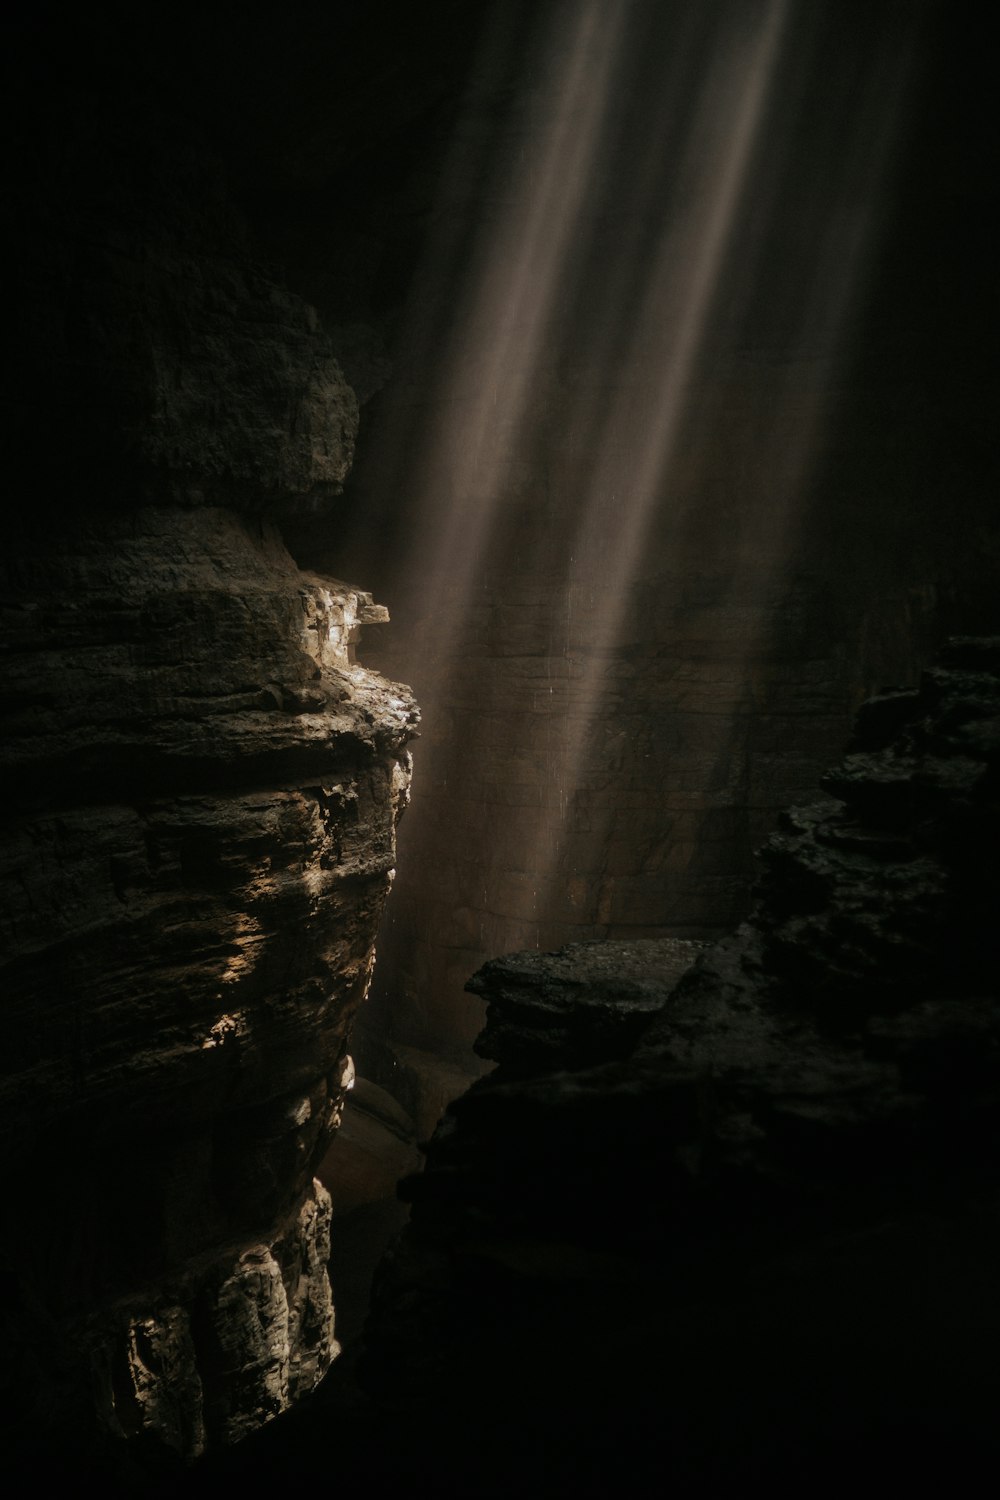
(248, 1338)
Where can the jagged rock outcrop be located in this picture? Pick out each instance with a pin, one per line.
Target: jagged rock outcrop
(201, 783)
(200, 836)
(757, 1241)
(239, 1343)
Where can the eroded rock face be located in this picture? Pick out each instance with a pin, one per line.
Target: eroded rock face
(242, 1342)
(203, 795)
(201, 784)
(757, 1239)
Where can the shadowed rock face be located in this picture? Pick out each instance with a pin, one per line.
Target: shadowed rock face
(200, 837)
(759, 1240)
(201, 784)
(201, 793)
(586, 1004)
(201, 776)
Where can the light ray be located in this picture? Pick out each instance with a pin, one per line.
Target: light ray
(501, 337)
(582, 427)
(667, 343)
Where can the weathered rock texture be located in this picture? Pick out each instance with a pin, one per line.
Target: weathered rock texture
(225, 1348)
(200, 836)
(760, 1240)
(201, 784)
(179, 811)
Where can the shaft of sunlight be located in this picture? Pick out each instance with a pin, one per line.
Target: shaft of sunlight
(667, 342)
(640, 364)
(502, 334)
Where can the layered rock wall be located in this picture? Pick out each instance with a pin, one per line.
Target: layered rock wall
(204, 789)
(202, 785)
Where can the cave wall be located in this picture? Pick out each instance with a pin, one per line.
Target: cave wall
(202, 784)
(176, 414)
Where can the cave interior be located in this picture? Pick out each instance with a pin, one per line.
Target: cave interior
(501, 682)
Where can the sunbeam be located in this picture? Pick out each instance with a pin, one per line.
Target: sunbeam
(626, 393)
(503, 330)
(630, 478)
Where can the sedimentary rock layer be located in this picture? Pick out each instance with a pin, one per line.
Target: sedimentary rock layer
(199, 839)
(227, 1346)
(201, 785)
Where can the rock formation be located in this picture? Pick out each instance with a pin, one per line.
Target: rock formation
(202, 783)
(587, 1004)
(204, 789)
(757, 1240)
(201, 794)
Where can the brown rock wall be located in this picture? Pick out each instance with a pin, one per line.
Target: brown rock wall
(245, 1338)
(198, 844)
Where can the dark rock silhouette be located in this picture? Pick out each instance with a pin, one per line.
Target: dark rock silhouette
(756, 1243)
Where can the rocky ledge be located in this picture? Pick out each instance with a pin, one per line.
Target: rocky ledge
(586, 1004)
(203, 787)
(757, 1241)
